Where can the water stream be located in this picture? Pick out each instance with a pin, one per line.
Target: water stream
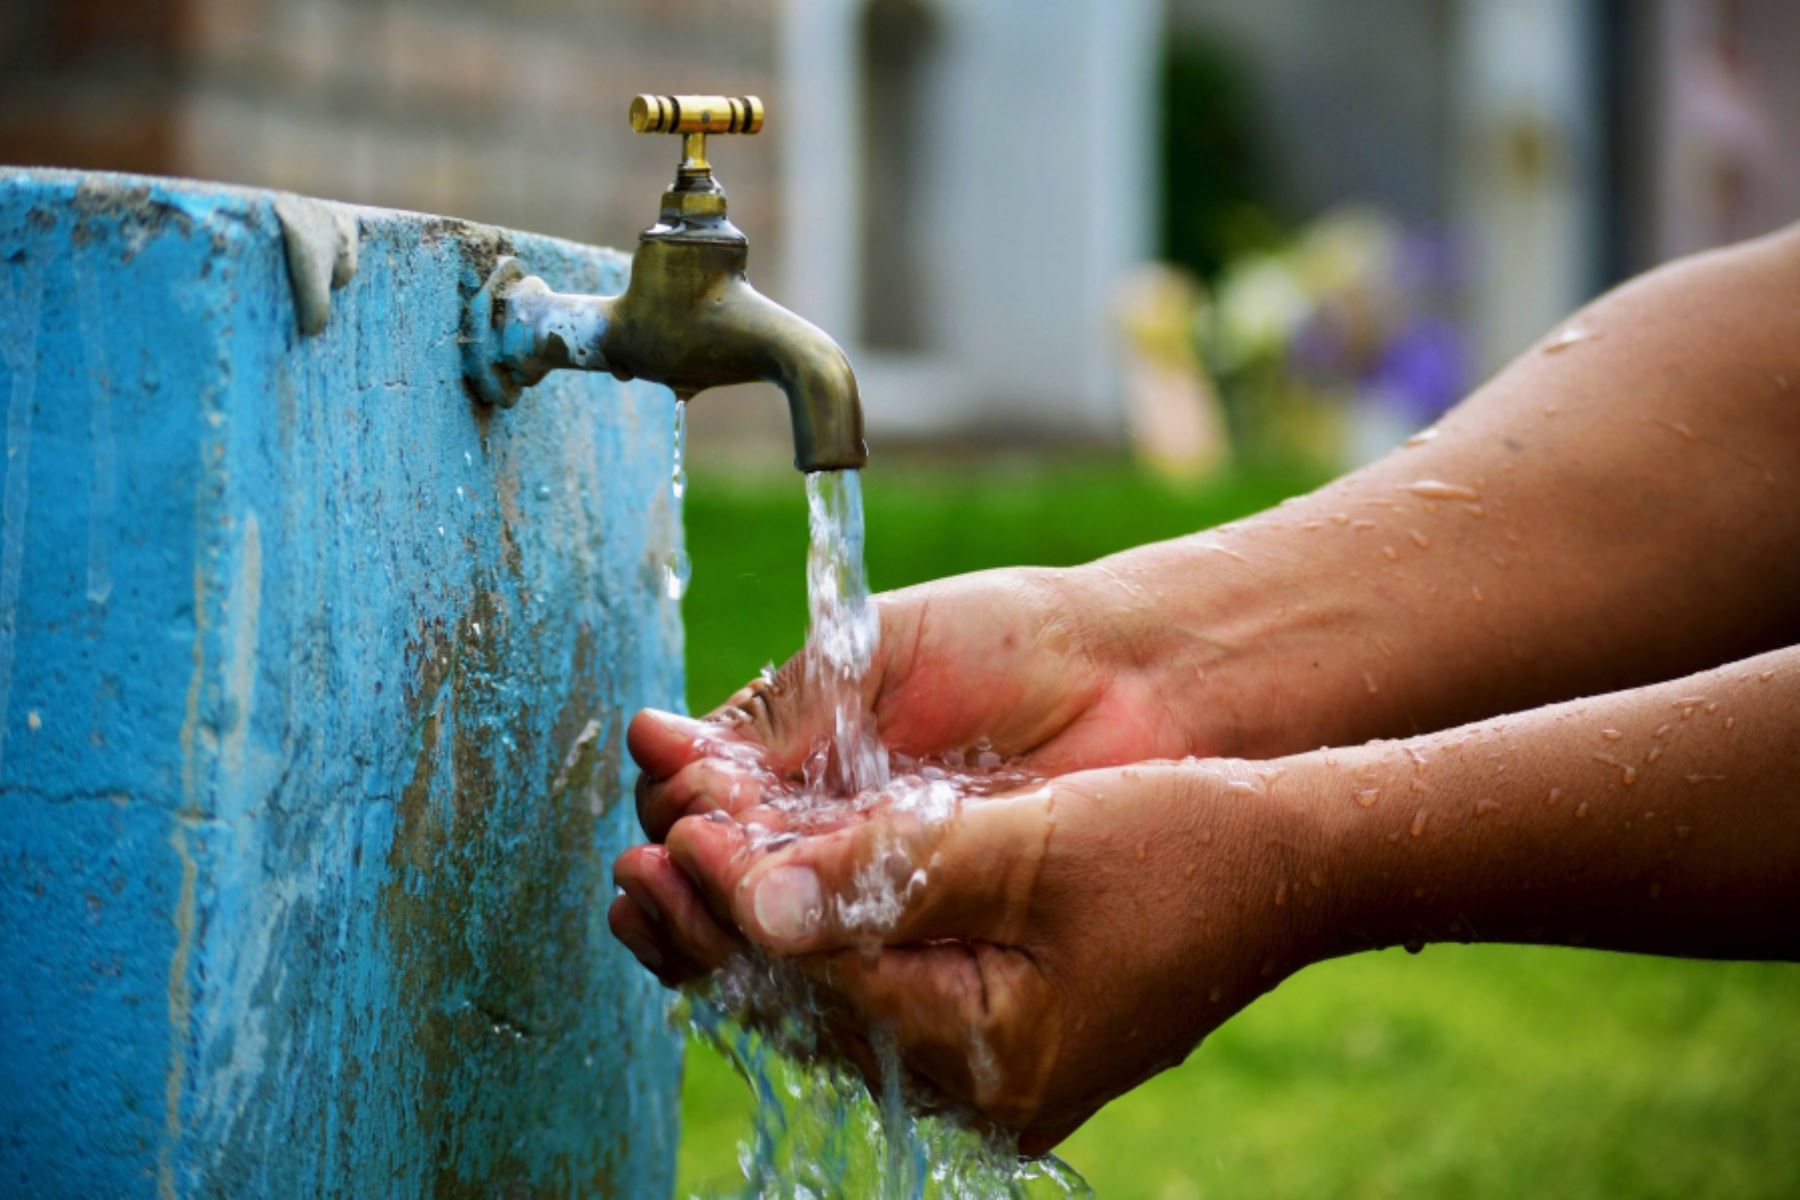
(817, 1132)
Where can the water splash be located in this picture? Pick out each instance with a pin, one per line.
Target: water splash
(817, 1131)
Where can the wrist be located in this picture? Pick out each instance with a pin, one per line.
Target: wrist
(1252, 662)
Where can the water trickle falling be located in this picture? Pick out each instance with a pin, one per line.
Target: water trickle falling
(678, 569)
(816, 1130)
(844, 630)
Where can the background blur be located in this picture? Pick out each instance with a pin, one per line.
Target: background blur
(1371, 204)
(1109, 270)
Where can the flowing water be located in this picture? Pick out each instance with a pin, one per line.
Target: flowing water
(817, 1131)
(678, 570)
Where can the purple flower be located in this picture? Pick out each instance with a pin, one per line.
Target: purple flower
(1423, 369)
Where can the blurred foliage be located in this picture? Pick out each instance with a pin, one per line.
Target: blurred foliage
(1216, 181)
(1467, 1072)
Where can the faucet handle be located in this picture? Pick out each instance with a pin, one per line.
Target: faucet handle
(696, 114)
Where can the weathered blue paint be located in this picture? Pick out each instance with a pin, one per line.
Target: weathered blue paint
(313, 676)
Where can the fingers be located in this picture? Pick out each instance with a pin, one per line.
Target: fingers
(975, 1021)
(661, 743)
(702, 786)
(891, 878)
(663, 920)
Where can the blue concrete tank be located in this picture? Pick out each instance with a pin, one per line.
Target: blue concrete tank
(313, 682)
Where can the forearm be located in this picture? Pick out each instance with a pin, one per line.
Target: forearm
(1664, 820)
(1615, 511)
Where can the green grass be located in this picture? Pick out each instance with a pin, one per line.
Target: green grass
(1466, 1072)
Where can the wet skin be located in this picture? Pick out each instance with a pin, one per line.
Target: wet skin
(1615, 508)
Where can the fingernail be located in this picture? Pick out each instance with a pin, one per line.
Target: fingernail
(787, 903)
(647, 954)
(675, 723)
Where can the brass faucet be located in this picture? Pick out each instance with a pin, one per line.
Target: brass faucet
(688, 318)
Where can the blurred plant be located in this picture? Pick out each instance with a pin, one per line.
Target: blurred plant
(1173, 412)
(1333, 346)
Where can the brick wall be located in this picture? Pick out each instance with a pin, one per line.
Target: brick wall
(513, 114)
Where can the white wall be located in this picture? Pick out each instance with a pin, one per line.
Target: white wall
(1039, 193)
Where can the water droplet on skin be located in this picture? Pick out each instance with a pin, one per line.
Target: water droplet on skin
(1418, 821)
(1281, 891)
(1339, 518)
(1475, 511)
(1650, 757)
(1550, 410)
(1682, 831)
(1484, 807)
(1362, 525)
(1712, 707)
(1765, 676)
(1553, 798)
(1571, 336)
(1421, 437)
(1312, 526)
(1475, 592)
(1419, 539)
(1611, 735)
(1663, 731)
(1392, 554)
(1437, 489)
(1369, 682)
(1581, 810)
(1700, 777)
(1206, 837)
(1730, 724)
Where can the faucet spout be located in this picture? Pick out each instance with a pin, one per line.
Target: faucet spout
(780, 347)
(688, 318)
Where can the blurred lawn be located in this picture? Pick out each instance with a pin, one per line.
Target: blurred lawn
(1465, 1072)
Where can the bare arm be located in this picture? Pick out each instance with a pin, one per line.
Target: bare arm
(1619, 505)
(1664, 820)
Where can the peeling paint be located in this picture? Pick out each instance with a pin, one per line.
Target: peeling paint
(322, 241)
(326, 913)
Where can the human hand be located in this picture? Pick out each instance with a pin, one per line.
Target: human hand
(1066, 941)
(1030, 664)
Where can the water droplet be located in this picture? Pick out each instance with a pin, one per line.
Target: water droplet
(678, 572)
(543, 491)
(1437, 489)
(1419, 539)
(1581, 810)
(1611, 735)
(1654, 753)
(1476, 593)
(1572, 335)
(1553, 798)
(1486, 806)
(1418, 821)
(1281, 891)
(1765, 676)
(33, 722)
(1362, 525)
(1730, 724)
(1392, 554)
(1421, 437)
(1369, 682)
(1312, 526)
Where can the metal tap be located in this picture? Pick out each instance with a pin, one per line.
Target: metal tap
(688, 318)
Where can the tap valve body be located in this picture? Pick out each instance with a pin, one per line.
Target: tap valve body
(688, 318)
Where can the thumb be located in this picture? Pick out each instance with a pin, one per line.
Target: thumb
(892, 878)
